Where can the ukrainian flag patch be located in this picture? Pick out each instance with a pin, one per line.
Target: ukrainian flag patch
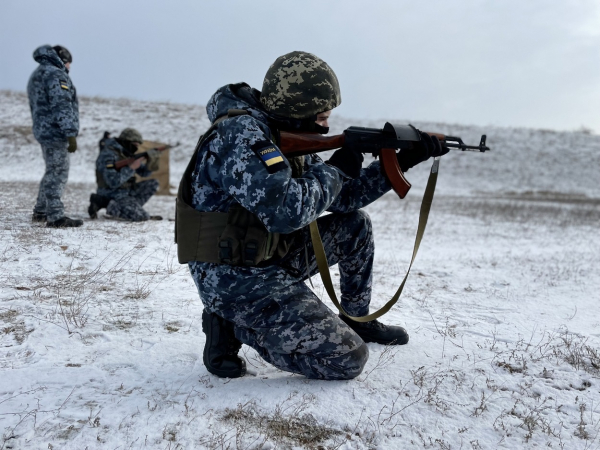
(270, 155)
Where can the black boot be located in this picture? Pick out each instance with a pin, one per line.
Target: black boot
(97, 202)
(375, 331)
(65, 222)
(221, 348)
(38, 217)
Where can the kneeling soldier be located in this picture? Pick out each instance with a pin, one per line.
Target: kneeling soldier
(242, 216)
(118, 190)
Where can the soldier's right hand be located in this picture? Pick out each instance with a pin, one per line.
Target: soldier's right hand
(348, 160)
(72, 144)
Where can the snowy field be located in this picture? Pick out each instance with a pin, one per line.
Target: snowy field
(101, 341)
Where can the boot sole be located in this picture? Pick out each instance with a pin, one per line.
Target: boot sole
(387, 342)
(63, 226)
(224, 373)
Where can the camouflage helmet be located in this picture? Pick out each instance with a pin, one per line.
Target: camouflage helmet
(299, 85)
(63, 54)
(131, 135)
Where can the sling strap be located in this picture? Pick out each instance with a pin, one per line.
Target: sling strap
(324, 267)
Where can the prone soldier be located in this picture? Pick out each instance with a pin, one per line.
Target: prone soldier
(118, 191)
(55, 113)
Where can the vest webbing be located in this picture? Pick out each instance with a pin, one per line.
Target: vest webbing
(194, 230)
(236, 237)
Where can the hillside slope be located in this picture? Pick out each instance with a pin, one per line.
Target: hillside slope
(101, 342)
(542, 162)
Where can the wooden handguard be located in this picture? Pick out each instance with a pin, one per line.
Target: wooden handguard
(440, 136)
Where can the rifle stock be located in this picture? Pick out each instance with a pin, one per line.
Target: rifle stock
(298, 144)
(125, 162)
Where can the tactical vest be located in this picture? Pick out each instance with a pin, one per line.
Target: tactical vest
(237, 237)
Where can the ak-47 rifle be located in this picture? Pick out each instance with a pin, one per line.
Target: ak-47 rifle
(125, 162)
(381, 143)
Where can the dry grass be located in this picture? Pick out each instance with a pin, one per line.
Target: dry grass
(287, 426)
(539, 391)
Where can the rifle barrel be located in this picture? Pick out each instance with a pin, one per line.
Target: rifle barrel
(468, 148)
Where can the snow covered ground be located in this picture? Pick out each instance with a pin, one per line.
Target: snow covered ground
(100, 336)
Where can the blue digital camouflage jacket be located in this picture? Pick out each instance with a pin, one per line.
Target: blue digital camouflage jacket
(52, 98)
(238, 163)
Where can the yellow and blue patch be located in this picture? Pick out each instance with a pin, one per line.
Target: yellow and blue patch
(270, 156)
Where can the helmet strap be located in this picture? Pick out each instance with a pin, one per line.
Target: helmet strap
(300, 125)
(311, 126)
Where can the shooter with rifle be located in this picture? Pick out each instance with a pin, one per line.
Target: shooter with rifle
(249, 224)
(116, 167)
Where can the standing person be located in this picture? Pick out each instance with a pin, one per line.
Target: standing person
(118, 191)
(242, 216)
(55, 113)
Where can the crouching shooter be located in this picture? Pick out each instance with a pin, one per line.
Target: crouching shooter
(242, 225)
(116, 167)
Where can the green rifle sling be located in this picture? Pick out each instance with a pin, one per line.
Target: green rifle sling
(324, 267)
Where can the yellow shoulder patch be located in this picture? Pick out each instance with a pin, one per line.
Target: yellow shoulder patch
(64, 86)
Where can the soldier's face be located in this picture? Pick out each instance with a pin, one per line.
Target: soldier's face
(322, 118)
(68, 65)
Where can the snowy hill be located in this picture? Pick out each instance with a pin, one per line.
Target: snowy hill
(522, 160)
(100, 337)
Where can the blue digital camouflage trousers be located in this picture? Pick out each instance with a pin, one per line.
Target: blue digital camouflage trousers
(275, 312)
(128, 203)
(56, 158)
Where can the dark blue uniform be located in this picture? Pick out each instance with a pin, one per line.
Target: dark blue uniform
(55, 114)
(271, 307)
(127, 197)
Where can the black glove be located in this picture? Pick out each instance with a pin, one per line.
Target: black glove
(421, 151)
(348, 160)
(72, 144)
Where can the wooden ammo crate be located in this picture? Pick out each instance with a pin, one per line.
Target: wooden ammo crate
(162, 174)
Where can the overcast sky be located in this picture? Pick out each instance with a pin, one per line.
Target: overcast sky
(532, 63)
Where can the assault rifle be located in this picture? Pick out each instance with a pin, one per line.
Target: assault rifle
(125, 162)
(381, 143)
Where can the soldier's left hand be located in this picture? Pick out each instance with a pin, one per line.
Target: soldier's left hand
(429, 146)
(72, 144)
